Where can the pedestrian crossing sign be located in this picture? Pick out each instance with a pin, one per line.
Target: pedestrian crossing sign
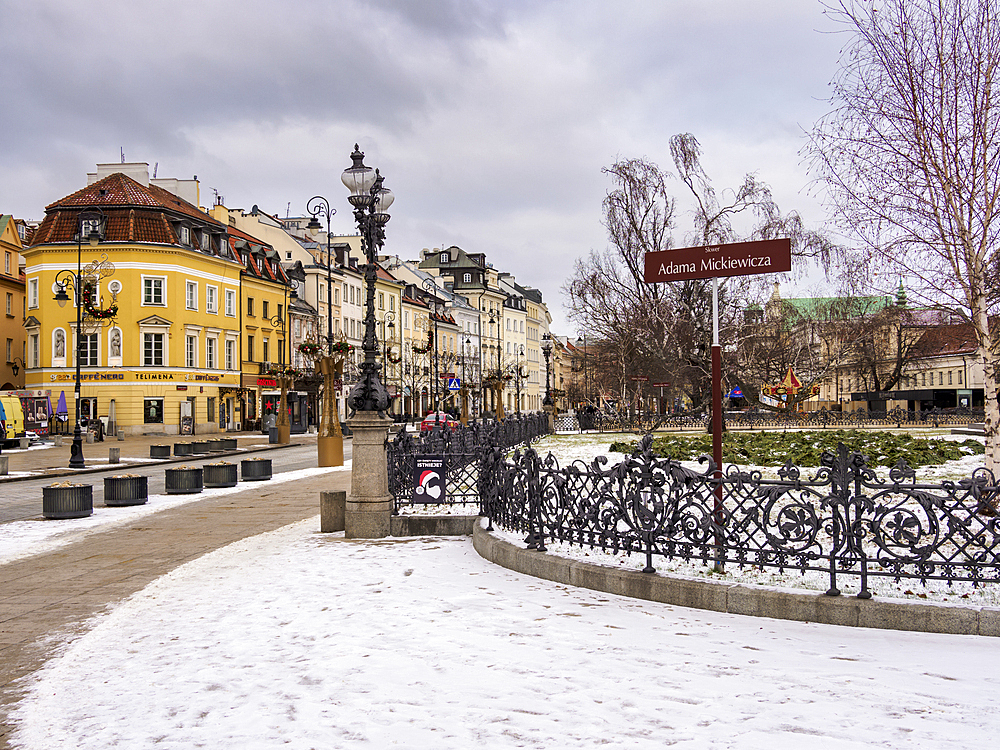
(454, 384)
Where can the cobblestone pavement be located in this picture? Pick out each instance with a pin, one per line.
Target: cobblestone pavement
(47, 598)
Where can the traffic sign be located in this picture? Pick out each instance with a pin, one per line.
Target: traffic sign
(454, 384)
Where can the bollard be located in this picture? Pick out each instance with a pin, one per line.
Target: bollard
(114, 455)
(23, 443)
(57, 441)
(331, 510)
(3, 465)
(121, 434)
(90, 437)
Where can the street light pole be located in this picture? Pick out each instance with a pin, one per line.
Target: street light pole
(431, 288)
(94, 218)
(388, 322)
(371, 202)
(320, 206)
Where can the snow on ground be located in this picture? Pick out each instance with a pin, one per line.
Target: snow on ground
(19, 539)
(304, 640)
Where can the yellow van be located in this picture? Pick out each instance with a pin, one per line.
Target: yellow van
(13, 416)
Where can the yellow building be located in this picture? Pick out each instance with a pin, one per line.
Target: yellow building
(12, 298)
(169, 360)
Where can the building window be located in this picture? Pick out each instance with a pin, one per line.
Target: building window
(152, 350)
(191, 295)
(230, 354)
(190, 351)
(152, 410)
(445, 257)
(467, 278)
(281, 312)
(33, 353)
(10, 349)
(10, 304)
(381, 301)
(33, 293)
(250, 306)
(392, 303)
(210, 353)
(960, 377)
(6, 263)
(212, 299)
(152, 290)
(263, 308)
(949, 377)
(336, 295)
(249, 348)
(88, 350)
(231, 303)
(184, 234)
(204, 241)
(267, 350)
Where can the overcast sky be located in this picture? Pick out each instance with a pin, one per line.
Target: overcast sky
(491, 120)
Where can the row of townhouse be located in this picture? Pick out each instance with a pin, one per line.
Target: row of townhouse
(208, 303)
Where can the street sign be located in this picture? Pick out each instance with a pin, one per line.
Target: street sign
(662, 385)
(454, 384)
(716, 261)
(641, 379)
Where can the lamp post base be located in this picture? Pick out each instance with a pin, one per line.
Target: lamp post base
(284, 434)
(76, 460)
(369, 506)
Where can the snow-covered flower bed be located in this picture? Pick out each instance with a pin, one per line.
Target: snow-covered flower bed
(566, 449)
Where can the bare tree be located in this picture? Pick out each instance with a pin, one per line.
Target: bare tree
(910, 154)
(667, 326)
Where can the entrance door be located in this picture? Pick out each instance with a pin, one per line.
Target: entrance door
(88, 410)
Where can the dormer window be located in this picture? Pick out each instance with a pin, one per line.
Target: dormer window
(467, 278)
(184, 235)
(205, 242)
(445, 257)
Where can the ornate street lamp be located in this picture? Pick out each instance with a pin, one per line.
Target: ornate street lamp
(431, 288)
(320, 206)
(371, 202)
(388, 339)
(368, 510)
(519, 352)
(92, 221)
(547, 352)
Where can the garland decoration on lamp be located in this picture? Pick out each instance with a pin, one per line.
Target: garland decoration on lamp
(310, 349)
(425, 349)
(342, 347)
(288, 372)
(91, 308)
(393, 358)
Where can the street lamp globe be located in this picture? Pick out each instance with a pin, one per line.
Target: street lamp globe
(359, 180)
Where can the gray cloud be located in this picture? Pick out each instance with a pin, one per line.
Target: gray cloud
(491, 120)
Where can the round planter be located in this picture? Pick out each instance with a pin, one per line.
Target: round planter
(183, 481)
(76, 501)
(159, 451)
(200, 446)
(228, 444)
(255, 469)
(120, 491)
(220, 475)
(215, 445)
(182, 449)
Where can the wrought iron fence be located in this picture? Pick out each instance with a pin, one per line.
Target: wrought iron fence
(760, 419)
(843, 521)
(461, 451)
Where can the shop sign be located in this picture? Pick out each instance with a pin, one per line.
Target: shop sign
(267, 382)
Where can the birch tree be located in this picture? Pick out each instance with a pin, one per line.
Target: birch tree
(910, 156)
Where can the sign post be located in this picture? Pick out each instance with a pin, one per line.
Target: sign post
(713, 262)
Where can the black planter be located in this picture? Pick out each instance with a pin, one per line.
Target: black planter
(159, 451)
(220, 475)
(119, 491)
(228, 444)
(68, 502)
(182, 449)
(216, 445)
(200, 446)
(181, 481)
(255, 469)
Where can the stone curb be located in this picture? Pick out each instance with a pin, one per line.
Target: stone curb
(738, 599)
(432, 525)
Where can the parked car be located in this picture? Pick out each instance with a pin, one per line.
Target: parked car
(440, 419)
